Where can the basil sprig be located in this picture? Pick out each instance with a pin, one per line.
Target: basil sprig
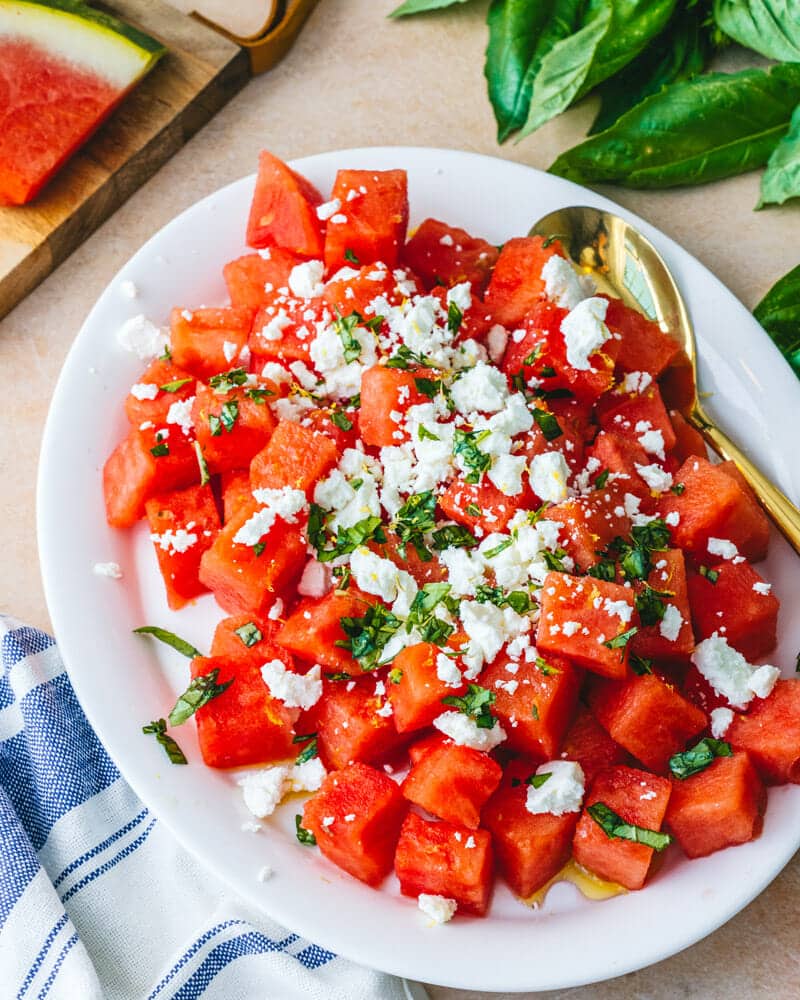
(475, 704)
(684, 765)
(169, 639)
(158, 728)
(201, 691)
(615, 828)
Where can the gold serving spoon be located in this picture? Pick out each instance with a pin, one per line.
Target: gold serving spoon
(626, 265)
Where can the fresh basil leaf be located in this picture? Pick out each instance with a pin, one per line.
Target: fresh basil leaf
(781, 180)
(684, 765)
(367, 636)
(518, 600)
(455, 318)
(565, 67)
(680, 52)
(465, 445)
(771, 27)
(779, 313)
(651, 605)
(201, 464)
(615, 827)
(414, 518)
(308, 752)
(546, 668)
(341, 420)
(537, 780)
(249, 633)
(603, 570)
(158, 728)
(259, 396)
(160, 450)
(351, 258)
(395, 675)
(201, 691)
(500, 547)
(475, 704)
(214, 424)
(719, 124)
(305, 837)
(421, 6)
(345, 327)
(521, 32)
(640, 665)
(547, 423)
(169, 639)
(228, 414)
(179, 383)
(601, 480)
(621, 641)
(225, 381)
(453, 536)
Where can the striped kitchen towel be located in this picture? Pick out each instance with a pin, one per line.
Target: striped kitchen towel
(97, 900)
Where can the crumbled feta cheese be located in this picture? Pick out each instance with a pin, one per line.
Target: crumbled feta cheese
(673, 519)
(622, 609)
(294, 690)
(506, 474)
(264, 873)
(439, 909)
(276, 610)
(180, 413)
(482, 388)
(274, 329)
(585, 331)
(305, 280)
(338, 219)
(128, 290)
(671, 624)
(385, 710)
(446, 240)
(109, 569)
(723, 548)
(285, 503)
(657, 479)
(328, 208)
(465, 570)
(263, 789)
(729, 673)
(651, 440)
(380, 577)
(636, 381)
(175, 540)
(139, 336)
(144, 390)
(760, 587)
(721, 718)
(561, 793)
(563, 285)
(488, 628)
(460, 296)
(447, 671)
(466, 733)
(230, 349)
(548, 476)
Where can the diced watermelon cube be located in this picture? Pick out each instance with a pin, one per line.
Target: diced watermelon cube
(370, 225)
(248, 276)
(244, 725)
(313, 629)
(717, 808)
(237, 638)
(643, 346)
(232, 426)
(385, 391)
(516, 284)
(236, 491)
(198, 339)
(155, 411)
(770, 733)
(590, 745)
(431, 859)
(442, 254)
(294, 456)
(579, 615)
(366, 810)
(453, 783)
(482, 505)
(640, 799)
(668, 577)
(283, 211)
(647, 716)
(591, 523)
(417, 697)
(632, 415)
(352, 724)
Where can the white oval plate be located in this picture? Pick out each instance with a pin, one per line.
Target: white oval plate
(123, 681)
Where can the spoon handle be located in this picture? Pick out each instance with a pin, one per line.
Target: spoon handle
(779, 507)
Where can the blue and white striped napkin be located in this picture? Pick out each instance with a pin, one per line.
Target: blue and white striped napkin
(97, 900)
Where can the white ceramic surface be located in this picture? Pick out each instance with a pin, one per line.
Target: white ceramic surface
(123, 681)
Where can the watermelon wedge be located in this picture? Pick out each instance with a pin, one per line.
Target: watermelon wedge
(63, 69)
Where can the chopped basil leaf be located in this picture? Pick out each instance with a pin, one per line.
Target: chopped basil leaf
(228, 414)
(537, 780)
(501, 547)
(303, 737)
(532, 358)
(601, 480)
(414, 518)
(465, 445)
(342, 421)
(249, 633)
(308, 752)
(554, 560)
(535, 711)
(258, 548)
(225, 381)
(475, 703)
(455, 317)
(650, 604)
(158, 728)
(202, 464)
(258, 395)
(635, 558)
(304, 836)
(344, 327)
(615, 827)
(395, 675)
(215, 424)
(422, 617)
(428, 387)
(553, 393)
(677, 489)
(516, 599)
(552, 239)
(159, 450)
(684, 765)
(473, 510)
(347, 539)
(425, 434)
(546, 371)
(337, 675)
(169, 639)
(621, 641)
(351, 258)
(546, 668)
(640, 665)
(603, 570)
(201, 691)
(405, 357)
(453, 536)
(179, 383)
(548, 424)
(343, 575)
(711, 575)
(367, 636)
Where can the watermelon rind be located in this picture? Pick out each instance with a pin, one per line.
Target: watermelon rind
(90, 39)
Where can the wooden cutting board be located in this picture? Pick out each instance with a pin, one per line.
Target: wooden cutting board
(200, 72)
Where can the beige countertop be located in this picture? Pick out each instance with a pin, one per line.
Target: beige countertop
(356, 79)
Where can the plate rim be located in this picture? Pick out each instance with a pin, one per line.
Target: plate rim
(390, 962)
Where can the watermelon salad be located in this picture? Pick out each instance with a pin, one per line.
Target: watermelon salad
(488, 600)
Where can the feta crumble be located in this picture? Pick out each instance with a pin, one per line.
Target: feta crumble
(585, 331)
(439, 909)
(294, 690)
(564, 285)
(561, 793)
(305, 280)
(721, 718)
(723, 548)
(671, 624)
(144, 390)
(142, 338)
(466, 733)
(548, 475)
(729, 673)
(110, 569)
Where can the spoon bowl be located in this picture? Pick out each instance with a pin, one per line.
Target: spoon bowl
(626, 265)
